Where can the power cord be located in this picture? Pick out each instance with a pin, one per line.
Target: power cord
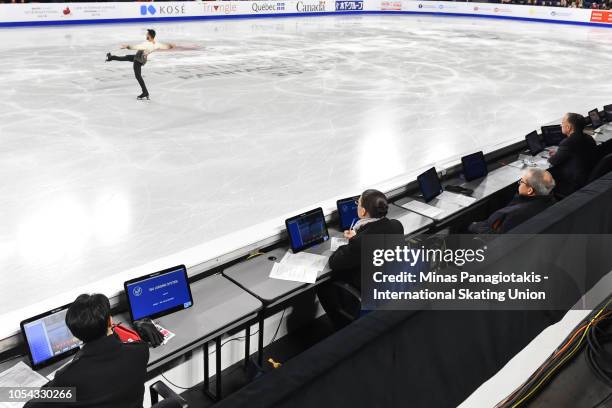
(161, 373)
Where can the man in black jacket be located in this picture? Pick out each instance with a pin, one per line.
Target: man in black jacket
(105, 372)
(575, 157)
(534, 196)
(345, 263)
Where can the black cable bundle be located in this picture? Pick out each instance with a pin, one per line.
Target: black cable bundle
(591, 335)
(598, 358)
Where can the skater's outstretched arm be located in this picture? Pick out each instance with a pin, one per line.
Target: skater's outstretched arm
(148, 47)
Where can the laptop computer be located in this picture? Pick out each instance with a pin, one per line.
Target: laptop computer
(552, 135)
(429, 184)
(347, 212)
(474, 166)
(47, 337)
(534, 144)
(608, 113)
(595, 119)
(158, 294)
(307, 230)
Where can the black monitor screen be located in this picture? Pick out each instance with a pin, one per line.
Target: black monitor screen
(429, 184)
(595, 120)
(159, 293)
(534, 143)
(307, 230)
(474, 166)
(347, 212)
(608, 111)
(552, 135)
(48, 338)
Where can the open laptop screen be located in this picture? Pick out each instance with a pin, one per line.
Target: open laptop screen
(595, 120)
(347, 212)
(307, 230)
(552, 135)
(430, 185)
(534, 143)
(159, 293)
(47, 337)
(474, 166)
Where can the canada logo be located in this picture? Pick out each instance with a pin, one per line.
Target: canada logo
(66, 11)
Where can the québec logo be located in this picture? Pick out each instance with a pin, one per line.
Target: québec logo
(349, 5)
(264, 7)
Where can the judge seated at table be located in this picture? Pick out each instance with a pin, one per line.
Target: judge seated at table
(105, 372)
(534, 196)
(345, 263)
(575, 157)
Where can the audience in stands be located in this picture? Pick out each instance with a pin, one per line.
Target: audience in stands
(575, 157)
(345, 263)
(534, 196)
(105, 372)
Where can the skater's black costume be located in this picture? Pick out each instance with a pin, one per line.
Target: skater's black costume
(139, 60)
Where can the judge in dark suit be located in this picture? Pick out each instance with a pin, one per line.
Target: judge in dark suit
(534, 196)
(105, 372)
(345, 263)
(575, 157)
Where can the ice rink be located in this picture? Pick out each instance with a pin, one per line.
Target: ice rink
(252, 120)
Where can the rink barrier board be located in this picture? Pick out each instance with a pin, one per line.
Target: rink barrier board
(289, 15)
(45, 14)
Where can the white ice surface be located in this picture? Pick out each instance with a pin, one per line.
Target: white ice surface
(253, 120)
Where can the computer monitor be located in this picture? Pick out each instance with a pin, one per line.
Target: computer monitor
(47, 337)
(552, 135)
(608, 112)
(429, 183)
(307, 230)
(474, 166)
(347, 212)
(595, 119)
(159, 293)
(534, 144)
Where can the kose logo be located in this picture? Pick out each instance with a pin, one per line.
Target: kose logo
(163, 10)
(310, 8)
(349, 5)
(267, 7)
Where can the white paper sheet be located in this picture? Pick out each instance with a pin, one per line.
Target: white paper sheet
(300, 267)
(20, 375)
(293, 273)
(337, 243)
(459, 199)
(305, 259)
(423, 209)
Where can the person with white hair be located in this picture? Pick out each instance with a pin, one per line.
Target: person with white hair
(534, 195)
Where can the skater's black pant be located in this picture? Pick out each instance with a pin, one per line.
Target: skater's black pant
(137, 70)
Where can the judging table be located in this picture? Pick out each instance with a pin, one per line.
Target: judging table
(219, 306)
(244, 293)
